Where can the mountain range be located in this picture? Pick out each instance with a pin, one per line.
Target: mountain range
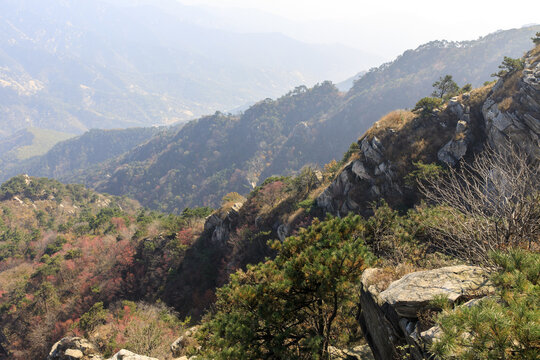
(199, 163)
(73, 67)
(388, 250)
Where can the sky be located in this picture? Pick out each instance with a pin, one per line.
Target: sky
(388, 27)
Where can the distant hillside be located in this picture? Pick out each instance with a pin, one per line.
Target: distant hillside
(29, 142)
(348, 84)
(212, 156)
(81, 152)
(65, 248)
(218, 154)
(73, 66)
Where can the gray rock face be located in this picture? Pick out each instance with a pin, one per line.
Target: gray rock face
(372, 150)
(522, 125)
(336, 198)
(128, 355)
(220, 224)
(71, 348)
(389, 318)
(75, 348)
(414, 291)
(360, 179)
(456, 107)
(457, 147)
(282, 232)
(183, 341)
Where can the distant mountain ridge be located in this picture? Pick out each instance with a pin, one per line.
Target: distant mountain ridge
(81, 152)
(29, 143)
(215, 155)
(72, 66)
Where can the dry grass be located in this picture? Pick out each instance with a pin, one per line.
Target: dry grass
(388, 274)
(459, 136)
(506, 104)
(394, 120)
(510, 86)
(479, 95)
(535, 54)
(418, 147)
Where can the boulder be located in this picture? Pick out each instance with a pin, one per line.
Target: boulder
(128, 355)
(220, 223)
(187, 339)
(389, 318)
(414, 291)
(453, 151)
(74, 348)
(456, 107)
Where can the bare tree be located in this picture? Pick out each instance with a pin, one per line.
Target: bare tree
(490, 204)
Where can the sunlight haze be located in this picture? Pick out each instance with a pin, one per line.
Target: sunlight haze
(384, 27)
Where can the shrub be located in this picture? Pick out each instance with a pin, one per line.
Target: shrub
(97, 315)
(508, 67)
(286, 308)
(353, 149)
(506, 326)
(445, 87)
(427, 105)
(466, 88)
(138, 327)
(491, 204)
(423, 172)
(232, 197)
(536, 38)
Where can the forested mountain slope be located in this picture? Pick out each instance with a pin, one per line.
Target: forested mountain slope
(73, 67)
(81, 152)
(212, 156)
(223, 153)
(28, 143)
(109, 266)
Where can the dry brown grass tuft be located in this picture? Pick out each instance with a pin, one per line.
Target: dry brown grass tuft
(418, 147)
(479, 95)
(387, 275)
(510, 86)
(394, 120)
(506, 104)
(535, 54)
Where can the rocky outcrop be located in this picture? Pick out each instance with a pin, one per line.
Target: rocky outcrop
(71, 348)
(220, 223)
(128, 355)
(414, 291)
(457, 147)
(520, 123)
(361, 181)
(389, 318)
(187, 339)
(75, 348)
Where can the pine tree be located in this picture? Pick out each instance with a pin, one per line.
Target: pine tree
(445, 87)
(508, 67)
(287, 308)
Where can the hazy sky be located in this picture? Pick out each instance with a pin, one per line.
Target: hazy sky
(389, 27)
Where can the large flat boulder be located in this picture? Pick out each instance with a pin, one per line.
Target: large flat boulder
(410, 294)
